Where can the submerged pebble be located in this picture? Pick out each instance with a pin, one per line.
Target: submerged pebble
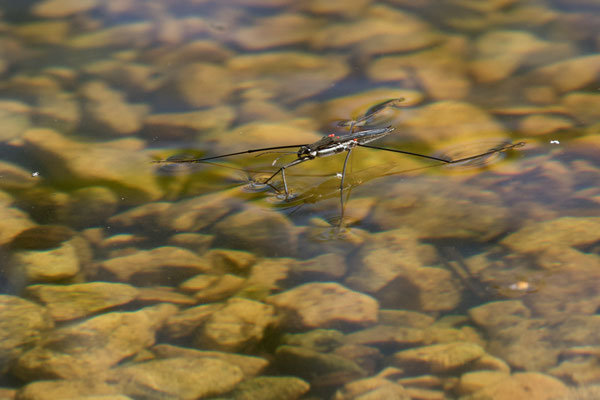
(186, 322)
(15, 177)
(584, 107)
(12, 221)
(108, 111)
(571, 74)
(451, 211)
(500, 53)
(213, 287)
(161, 294)
(253, 229)
(181, 378)
(133, 35)
(275, 31)
(452, 121)
(441, 73)
(286, 75)
(66, 302)
(267, 387)
(42, 237)
(189, 215)
(250, 365)
(62, 8)
(22, 324)
(188, 124)
(53, 265)
(439, 357)
(154, 265)
(560, 232)
(325, 305)
(309, 364)
(14, 121)
(201, 85)
(372, 387)
(93, 345)
(544, 124)
(114, 164)
(382, 30)
(241, 323)
(390, 267)
(531, 385)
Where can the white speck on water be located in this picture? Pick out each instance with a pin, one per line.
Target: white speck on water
(554, 142)
(520, 286)
(34, 174)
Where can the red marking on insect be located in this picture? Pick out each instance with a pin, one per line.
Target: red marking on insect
(337, 137)
(356, 140)
(331, 135)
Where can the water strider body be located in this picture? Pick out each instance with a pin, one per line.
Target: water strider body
(335, 144)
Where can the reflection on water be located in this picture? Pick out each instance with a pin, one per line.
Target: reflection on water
(126, 279)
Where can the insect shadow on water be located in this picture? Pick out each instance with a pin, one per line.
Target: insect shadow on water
(361, 132)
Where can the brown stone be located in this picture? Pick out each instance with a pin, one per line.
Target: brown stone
(21, 326)
(65, 302)
(180, 378)
(116, 165)
(240, 323)
(275, 31)
(92, 346)
(440, 357)
(525, 385)
(250, 365)
(564, 231)
(325, 305)
(253, 229)
(62, 8)
(148, 265)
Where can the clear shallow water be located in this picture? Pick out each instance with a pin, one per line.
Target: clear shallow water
(445, 282)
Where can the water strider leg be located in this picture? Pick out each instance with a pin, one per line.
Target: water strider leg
(282, 170)
(342, 186)
(500, 149)
(494, 150)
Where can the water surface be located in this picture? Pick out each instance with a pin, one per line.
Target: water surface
(123, 276)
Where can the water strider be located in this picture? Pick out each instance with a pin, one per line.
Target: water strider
(334, 144)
